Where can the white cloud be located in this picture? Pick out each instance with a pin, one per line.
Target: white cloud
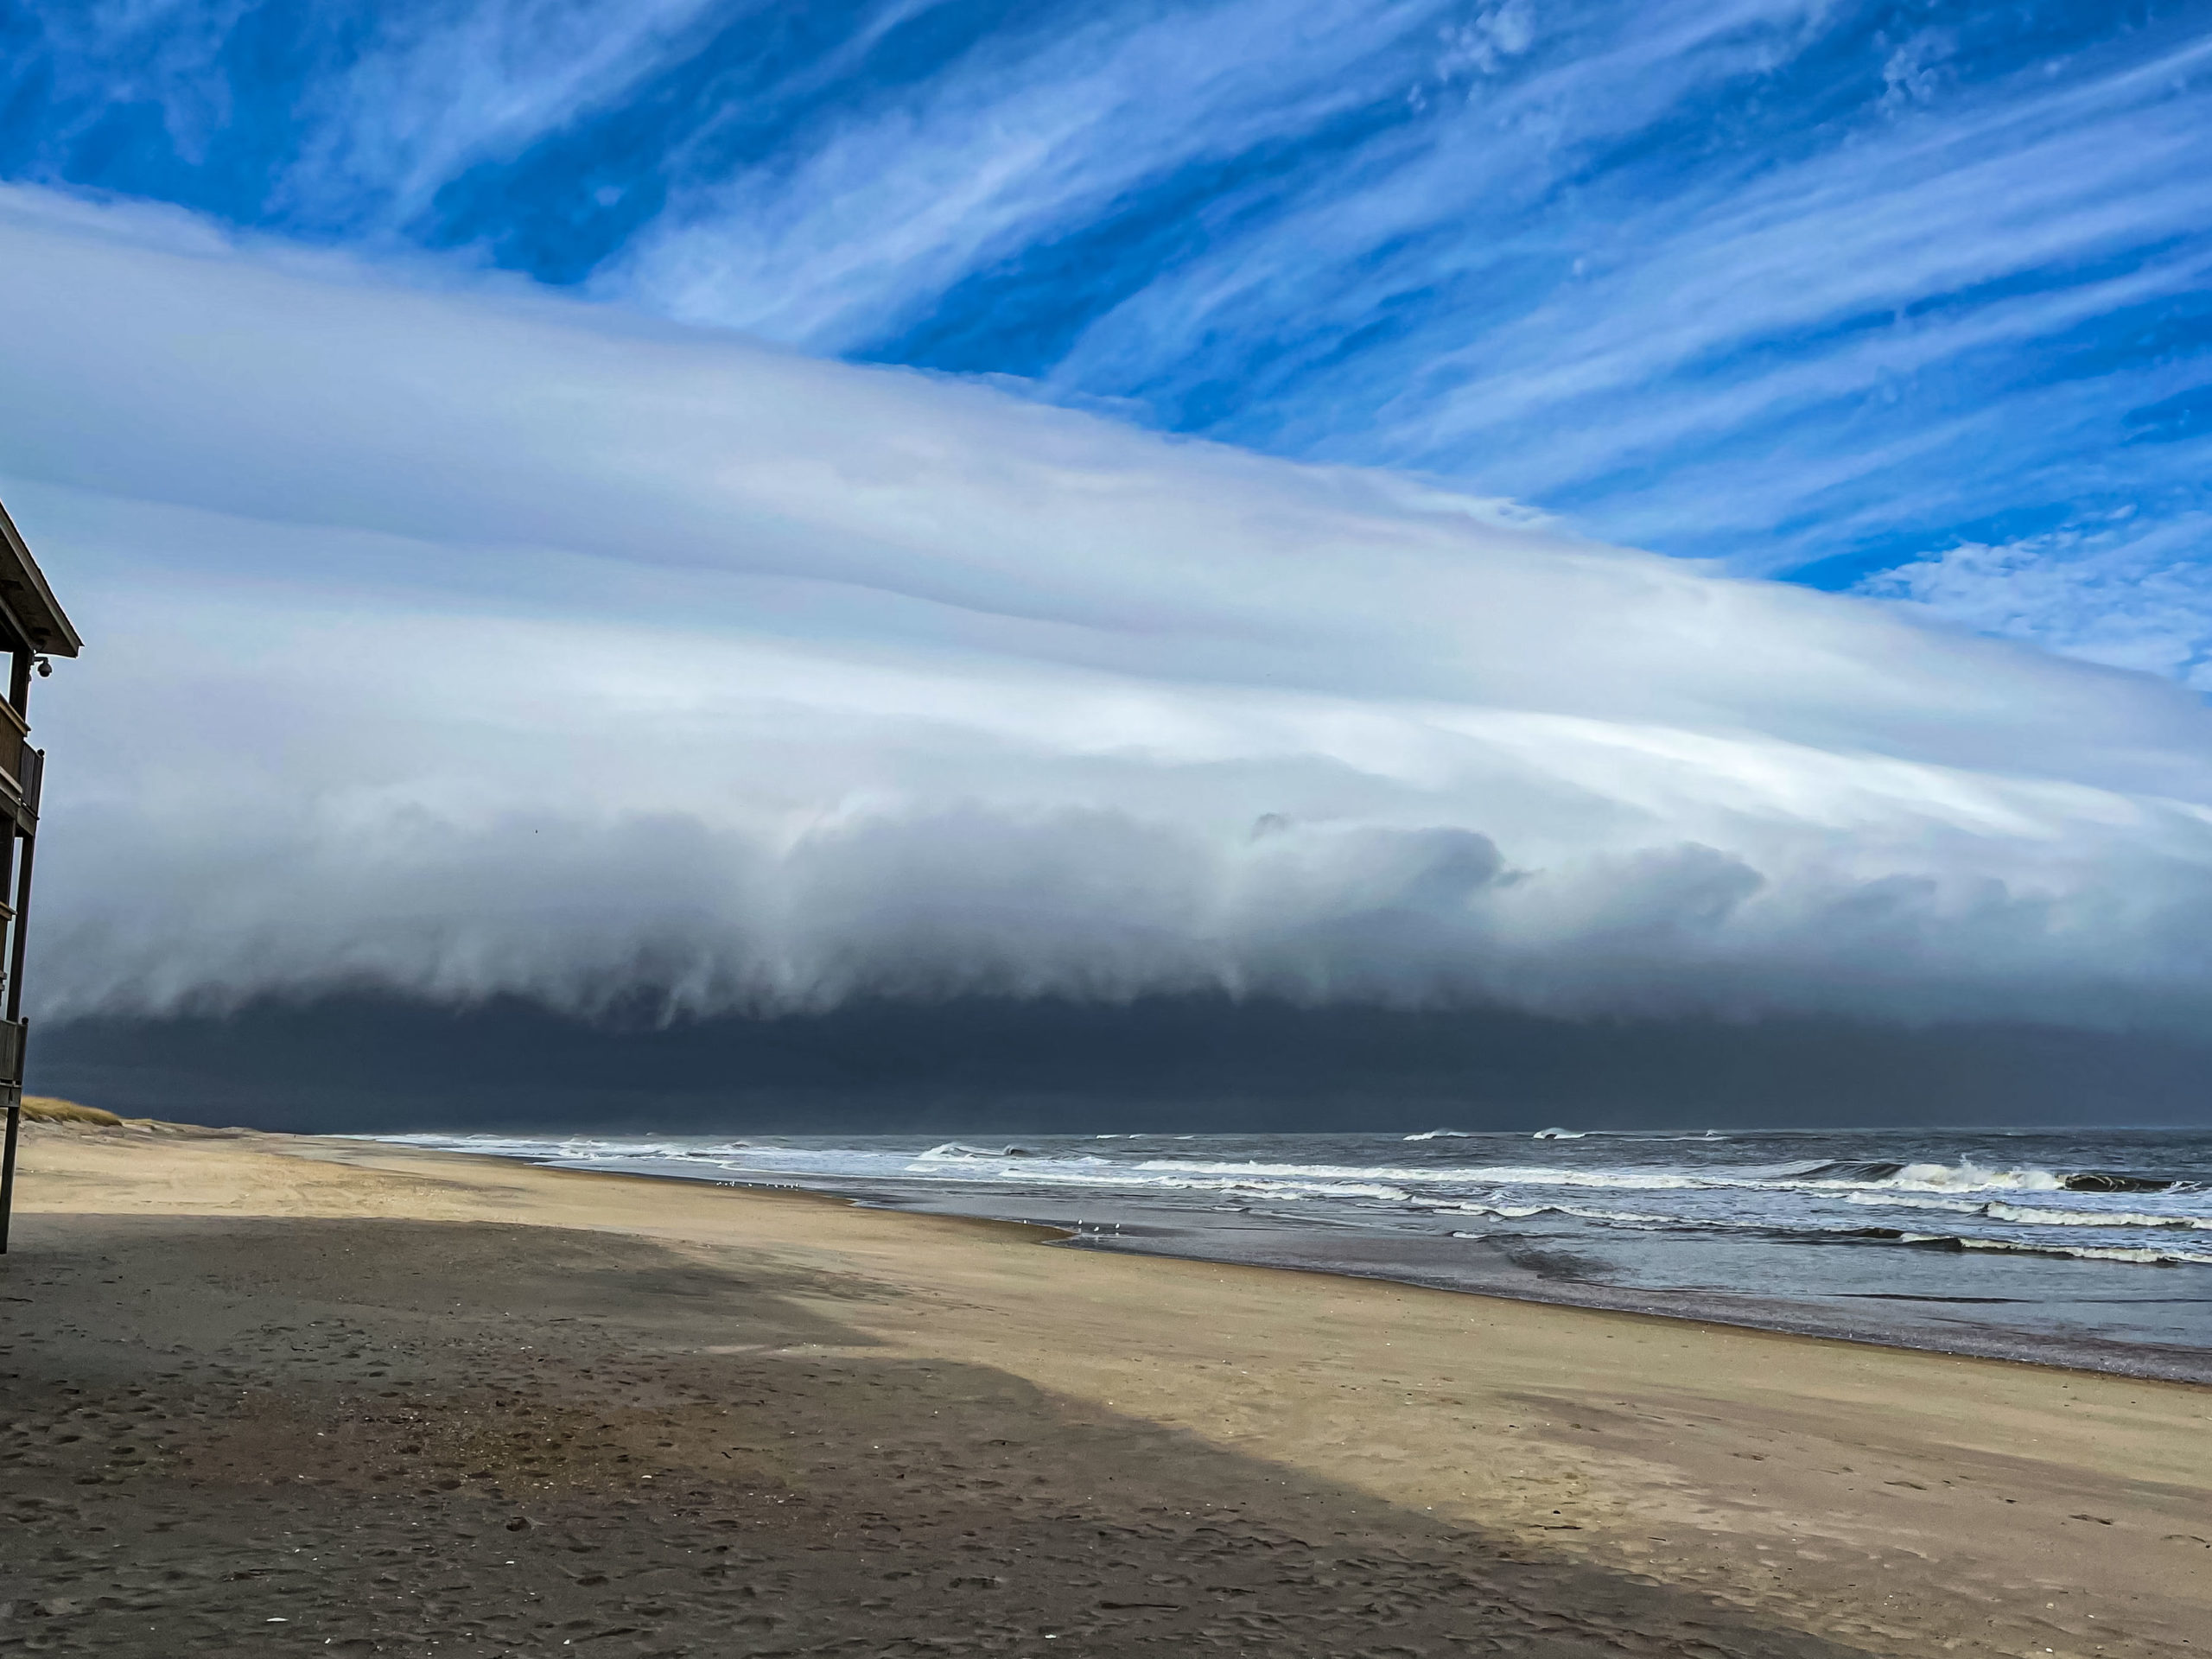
(1768, 280)
(876, 213)
(471, 643)
(1541, 286)
(2132, 595)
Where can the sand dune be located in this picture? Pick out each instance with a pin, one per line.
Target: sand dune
(389, 1397)
(48, 1108)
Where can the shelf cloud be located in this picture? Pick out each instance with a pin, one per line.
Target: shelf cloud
(451, 640)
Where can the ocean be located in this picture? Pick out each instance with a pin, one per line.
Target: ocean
(2082, 1248)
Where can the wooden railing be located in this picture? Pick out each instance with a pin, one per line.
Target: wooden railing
(21, 766)
(14, 738)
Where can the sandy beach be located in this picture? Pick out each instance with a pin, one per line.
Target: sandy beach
(272, 1394)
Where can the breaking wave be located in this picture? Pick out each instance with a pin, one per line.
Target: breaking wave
(1645, 1186)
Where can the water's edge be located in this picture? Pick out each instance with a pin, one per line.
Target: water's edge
(2148, 1362)
(1132, 1228)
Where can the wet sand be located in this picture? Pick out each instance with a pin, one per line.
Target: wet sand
(265, 1394)
(1515, 1268)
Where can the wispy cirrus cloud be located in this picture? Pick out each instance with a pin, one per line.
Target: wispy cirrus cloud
(2132, 594)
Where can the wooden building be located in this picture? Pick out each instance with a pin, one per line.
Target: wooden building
(32, 630)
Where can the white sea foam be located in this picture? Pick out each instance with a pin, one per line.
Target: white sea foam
(1963, 1177)
(1969, 1176)
(1293, 1185)
(1971, 1202)
(2037, 1215)
(2145, 1254)
(2151, 1256)
(961, 1150)
(1638, 1219)
(1486, 1175)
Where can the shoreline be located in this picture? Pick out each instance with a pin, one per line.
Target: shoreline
(1795, 1492)
(1170, 1235)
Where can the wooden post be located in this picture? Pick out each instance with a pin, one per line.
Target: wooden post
(19, 881)
(23, 1041)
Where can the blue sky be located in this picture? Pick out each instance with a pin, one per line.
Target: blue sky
(1913, 298)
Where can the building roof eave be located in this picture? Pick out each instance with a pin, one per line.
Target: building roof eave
(25, 595)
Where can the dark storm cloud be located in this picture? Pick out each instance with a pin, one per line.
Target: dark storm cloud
(1176, 1065)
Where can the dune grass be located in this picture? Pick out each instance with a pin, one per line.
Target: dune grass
(46, 1109)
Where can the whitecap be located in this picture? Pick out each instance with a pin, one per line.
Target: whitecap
(1965, 1176)
(956, 1149)
(2148, 1256)
(2035, 1215)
